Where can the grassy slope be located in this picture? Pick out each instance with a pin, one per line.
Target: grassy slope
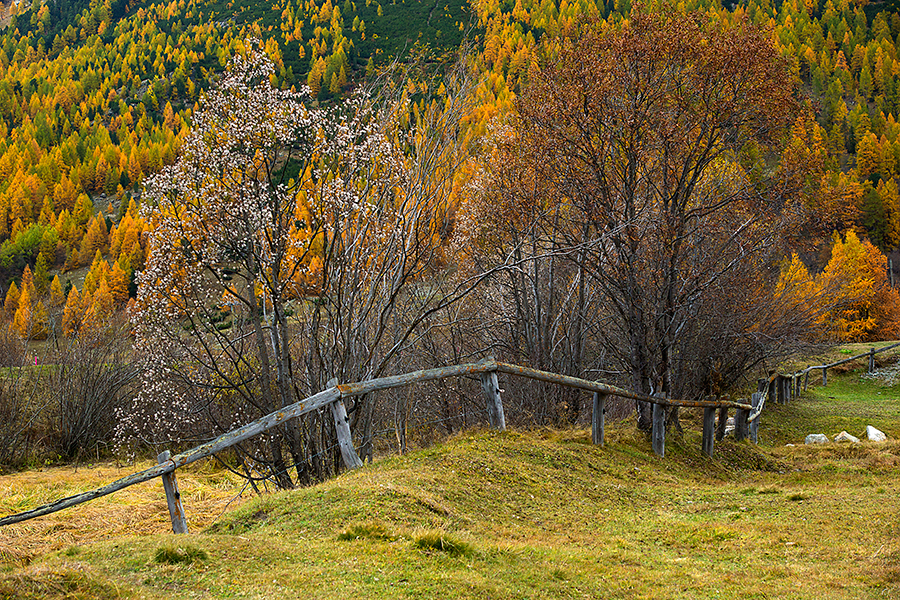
(546, 515)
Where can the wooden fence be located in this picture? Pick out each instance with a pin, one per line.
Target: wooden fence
(782, 388)
(746, 424)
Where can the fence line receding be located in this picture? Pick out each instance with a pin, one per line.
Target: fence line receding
(746, 423)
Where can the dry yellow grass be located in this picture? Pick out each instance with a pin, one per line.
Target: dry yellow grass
(135, 511)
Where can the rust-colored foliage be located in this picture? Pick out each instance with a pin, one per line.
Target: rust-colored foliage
(636, 131)
(636, 115)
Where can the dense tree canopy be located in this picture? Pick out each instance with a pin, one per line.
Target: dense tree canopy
(635, 136)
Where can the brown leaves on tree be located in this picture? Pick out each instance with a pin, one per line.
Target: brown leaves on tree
(638, 136)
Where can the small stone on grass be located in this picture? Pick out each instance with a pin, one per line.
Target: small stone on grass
(875, 435)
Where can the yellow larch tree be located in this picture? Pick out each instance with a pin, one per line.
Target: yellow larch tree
(11, 303)
(72, 314)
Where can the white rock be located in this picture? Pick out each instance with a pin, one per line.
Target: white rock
(874, 435)
(846, 437)
(789, 445)
(817, 438)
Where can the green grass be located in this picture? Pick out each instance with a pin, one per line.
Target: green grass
(439, 541)
(849, 402)
(546, 514)
(173, 555)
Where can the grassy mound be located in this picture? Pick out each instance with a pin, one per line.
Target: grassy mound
(535, 515)
(541, 514)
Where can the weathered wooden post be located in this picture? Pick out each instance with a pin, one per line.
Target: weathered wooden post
(709, 430)
(755, 401)
(722, 421)
(798, 380)
(871, 360)
(173, 497)
(741, 427)
(806, 379)
(779, 390)
(342, 428)
(824, 376)
(598, 419)
(658, 432)
(491, 389)
(788, 388)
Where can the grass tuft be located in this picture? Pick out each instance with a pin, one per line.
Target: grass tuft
(14, 556)
(66, 583)
(366, 531)
(442, 542)
(181, 555)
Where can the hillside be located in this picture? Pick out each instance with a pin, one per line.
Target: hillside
(518, 515)
(94, 97)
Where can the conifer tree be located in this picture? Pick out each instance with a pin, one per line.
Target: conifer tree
(23, 319)
(41, 278)
(72, 314)
(11, 303)
(56, 293)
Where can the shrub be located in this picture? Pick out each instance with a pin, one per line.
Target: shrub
(442, 542)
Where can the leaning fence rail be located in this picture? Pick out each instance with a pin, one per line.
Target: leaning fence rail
(746, 421)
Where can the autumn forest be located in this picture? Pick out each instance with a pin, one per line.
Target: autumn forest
(209, 209)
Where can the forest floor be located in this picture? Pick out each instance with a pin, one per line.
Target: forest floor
(538, 514)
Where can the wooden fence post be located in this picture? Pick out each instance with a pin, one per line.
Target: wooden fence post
(806, 379)
(345, 437)
(342, 429)
(755, 400)
(740, 423)
(798, 380)
(173, 497)
(720, 426)
(709, 430)
(491, 389)
(788, 388)
(779, 390)
(824, 376)
(598, 419)
(658, 433)
(871, 360)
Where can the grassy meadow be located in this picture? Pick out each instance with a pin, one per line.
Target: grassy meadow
(540, 514)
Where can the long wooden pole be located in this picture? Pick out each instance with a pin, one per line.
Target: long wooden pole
(217, 445)
(596, 386)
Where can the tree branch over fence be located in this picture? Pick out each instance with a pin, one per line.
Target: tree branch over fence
(335, 394)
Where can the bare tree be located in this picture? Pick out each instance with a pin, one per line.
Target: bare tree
(20, 406)
(541, 304)
(635, 136)
(91, 379)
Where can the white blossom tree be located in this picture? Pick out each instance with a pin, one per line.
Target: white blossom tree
(284, 248)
